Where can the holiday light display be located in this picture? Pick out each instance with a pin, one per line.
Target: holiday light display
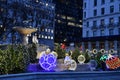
(111, 61)
(47, 61)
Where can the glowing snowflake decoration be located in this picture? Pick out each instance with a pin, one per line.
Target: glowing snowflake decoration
(47, 61)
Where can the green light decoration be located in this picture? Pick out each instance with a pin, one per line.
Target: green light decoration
(104, 58)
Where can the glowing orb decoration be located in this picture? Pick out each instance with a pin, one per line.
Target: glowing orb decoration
(81, 59)
(94, 51)
(73, 65)
(48, 61)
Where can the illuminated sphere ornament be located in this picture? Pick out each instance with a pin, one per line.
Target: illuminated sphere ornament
(48, 61)
(81, 59)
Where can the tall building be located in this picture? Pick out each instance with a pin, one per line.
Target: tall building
(68, 21)
(101, 25)
(37, 14)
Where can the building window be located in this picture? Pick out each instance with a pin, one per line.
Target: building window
(84, 14)
(111, 0)
(102, 1)
(102, 22)
(51, 37)
(119, 7)
(87, 24)
(94, 23)
(95, 2)
(94, 33)
(84, 5)
(95, 12)
(102, 32)
(110, 31)
(87, 33)
(119, 31)
(111, 20)
(102, 11)
(111, 9)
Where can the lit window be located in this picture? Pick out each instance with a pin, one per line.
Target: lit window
(42, 36)
(71, 24)
(45, 30)
(45, 37)
(59, 21)
(48, 30)
(46, 4)
(39, 36)
(63, 17)
(48, 37)
(51, 31)
(52, 37)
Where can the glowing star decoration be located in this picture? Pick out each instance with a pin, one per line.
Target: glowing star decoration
(48, 61)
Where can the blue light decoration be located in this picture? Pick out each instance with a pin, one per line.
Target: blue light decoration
(48, 61)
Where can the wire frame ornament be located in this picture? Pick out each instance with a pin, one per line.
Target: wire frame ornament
(87, 51)
(81, 59)
(73, 65)
(102, 51)
(111, 51)
(94, 51)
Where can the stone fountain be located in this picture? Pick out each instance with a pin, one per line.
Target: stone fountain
(25, 32)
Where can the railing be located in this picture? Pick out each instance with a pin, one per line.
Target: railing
(110, 25)
(102, 26)
(94, 27)
(95, 75)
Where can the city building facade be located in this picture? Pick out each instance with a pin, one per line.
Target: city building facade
(68, 21)
(37, 14)
(101, 25)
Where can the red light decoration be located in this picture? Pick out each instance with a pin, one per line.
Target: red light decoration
(63, 46)
(113, 62)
